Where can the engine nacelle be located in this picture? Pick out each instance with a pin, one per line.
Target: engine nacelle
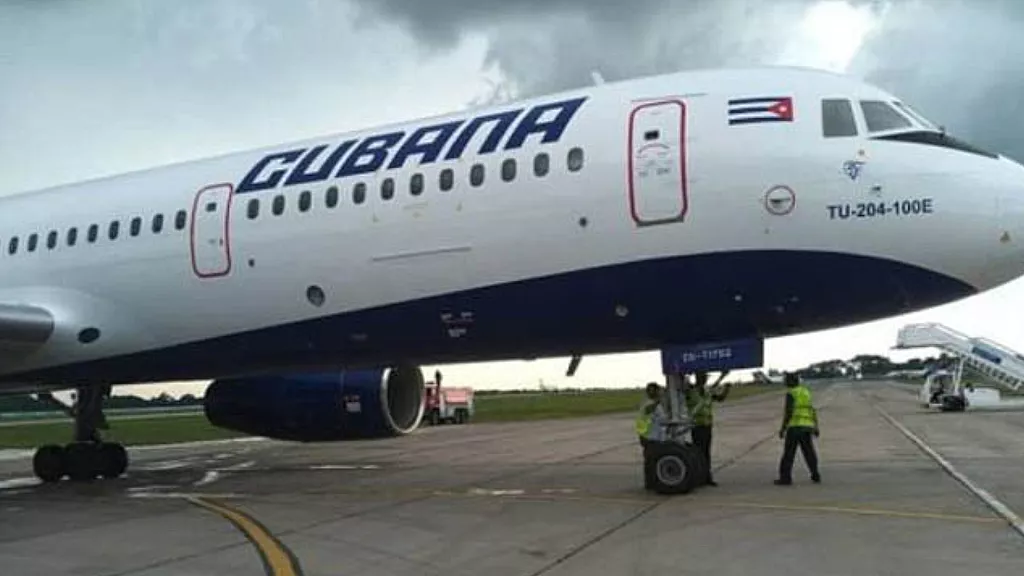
(320, 407)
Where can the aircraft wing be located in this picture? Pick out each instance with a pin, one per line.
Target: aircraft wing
(23, 325)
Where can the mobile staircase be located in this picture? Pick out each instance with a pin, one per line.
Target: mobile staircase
(995, 363)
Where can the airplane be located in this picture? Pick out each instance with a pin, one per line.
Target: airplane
(311, 280)
(770, 377)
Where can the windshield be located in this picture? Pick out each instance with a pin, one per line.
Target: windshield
(909, 111)
(882, 117)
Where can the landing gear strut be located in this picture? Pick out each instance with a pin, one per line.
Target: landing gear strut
(88, 456)
(674, 466)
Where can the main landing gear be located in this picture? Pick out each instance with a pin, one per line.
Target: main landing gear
(88, 456)
(674, 465)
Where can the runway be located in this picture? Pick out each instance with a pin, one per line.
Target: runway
(555, 497)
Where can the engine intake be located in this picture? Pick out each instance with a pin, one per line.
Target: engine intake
(321, 406)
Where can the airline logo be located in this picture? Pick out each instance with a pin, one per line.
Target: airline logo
(760, 109)
(391, 150)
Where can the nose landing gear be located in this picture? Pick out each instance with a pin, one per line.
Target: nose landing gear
(674, 465)
(88, 456)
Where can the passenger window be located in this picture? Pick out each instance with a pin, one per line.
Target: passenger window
(136, 226)
(359, 193)
(278, 207)
(158, 223)
(508, 170)
(837, 118)
(72, 236)
(115, 228)
(331, 199)
(879, 116)
(416, 184)
(51, 239)
(12, 246)
(387, 189)
(305, 200)
(211, 206)
(476, 175)
(180, 219)
(94, 233)
(574, 160)
(541, 164)
(253, 209)
(33, 240)
(446, 179)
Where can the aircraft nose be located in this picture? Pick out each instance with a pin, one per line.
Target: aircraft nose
(1007, 260)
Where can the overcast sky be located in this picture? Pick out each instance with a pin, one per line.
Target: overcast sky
(96, 87)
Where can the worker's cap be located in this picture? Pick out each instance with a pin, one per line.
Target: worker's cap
(653, 387)
(792, 379)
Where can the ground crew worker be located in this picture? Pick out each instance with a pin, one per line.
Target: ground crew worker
(650, 425)
(798, 424)
(699, 403)
(650, 420)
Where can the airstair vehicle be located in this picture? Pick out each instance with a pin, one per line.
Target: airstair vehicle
(946, 389)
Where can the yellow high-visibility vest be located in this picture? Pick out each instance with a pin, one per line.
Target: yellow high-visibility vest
(645, 419)
(643, 425)
(700, 408)
(803, 410)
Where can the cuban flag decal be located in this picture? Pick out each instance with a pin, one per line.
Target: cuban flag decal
(765, 109)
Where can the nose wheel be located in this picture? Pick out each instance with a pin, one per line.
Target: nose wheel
(88, 456)
(673, 467)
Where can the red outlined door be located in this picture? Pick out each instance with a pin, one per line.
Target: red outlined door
(211, 247)
(657, 162)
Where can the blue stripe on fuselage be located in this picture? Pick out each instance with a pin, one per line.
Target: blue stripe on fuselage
(546, 121)
(681, 300)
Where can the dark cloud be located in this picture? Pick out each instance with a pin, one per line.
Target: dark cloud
(108, 86)
(442, 22)
(960, 65)
(545, 45)
(960, 62)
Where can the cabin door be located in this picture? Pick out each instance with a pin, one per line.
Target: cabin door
(211, 251)
(657, 162)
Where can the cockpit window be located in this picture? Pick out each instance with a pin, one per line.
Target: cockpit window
(880, 116)
(906, 109)
(837, 118)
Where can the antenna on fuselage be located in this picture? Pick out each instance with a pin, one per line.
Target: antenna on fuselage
(596, 77)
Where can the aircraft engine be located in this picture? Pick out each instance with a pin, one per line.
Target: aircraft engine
(320, 406)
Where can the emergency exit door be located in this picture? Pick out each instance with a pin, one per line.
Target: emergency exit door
(657, 162)
(211, 251)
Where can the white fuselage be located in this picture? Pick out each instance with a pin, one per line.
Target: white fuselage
(642, 172)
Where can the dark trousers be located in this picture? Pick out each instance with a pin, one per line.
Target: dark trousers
(798, 436)
(702, 440)
(648, 471)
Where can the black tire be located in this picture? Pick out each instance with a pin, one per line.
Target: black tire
(461, 416)
(435, 418)
(82, 460)
(673, 468)
(48, 463)
(113, 460)
(953, 404)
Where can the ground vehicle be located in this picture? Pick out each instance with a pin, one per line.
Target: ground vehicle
(453, 405)
(943, 391)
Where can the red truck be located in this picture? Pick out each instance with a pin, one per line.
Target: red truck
(447, 404)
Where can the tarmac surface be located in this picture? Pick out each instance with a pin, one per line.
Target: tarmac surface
(555, 497)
